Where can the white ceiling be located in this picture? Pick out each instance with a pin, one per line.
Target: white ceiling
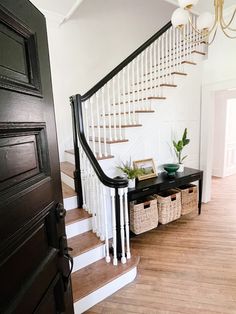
(57, 6)
(208, 5)
(63, 6)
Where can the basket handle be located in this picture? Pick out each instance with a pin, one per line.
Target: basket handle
(190, 190)
(173, 197)
(146, 204)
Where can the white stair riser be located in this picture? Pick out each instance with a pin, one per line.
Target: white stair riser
(125, 119)
(78, 227)
(70, 202)
(67, 180)
(100, 294)
(89, 257)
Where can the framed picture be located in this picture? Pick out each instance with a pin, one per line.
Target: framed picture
(148, 168)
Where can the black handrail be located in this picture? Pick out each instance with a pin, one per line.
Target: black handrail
(76, 104)
(124, 63)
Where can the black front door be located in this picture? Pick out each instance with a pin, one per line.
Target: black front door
(34, 264)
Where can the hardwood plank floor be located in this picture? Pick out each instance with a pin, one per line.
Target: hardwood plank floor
(188, 266)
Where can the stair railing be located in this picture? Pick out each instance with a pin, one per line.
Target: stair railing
(100, 116)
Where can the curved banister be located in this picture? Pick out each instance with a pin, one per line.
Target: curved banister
(124, 63)
(107, 181)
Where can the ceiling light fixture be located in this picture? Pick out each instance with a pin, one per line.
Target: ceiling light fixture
(207, 24)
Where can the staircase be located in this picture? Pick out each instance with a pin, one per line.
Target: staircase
(93, 279)
(105, 120)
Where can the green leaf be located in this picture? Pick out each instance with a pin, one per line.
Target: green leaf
(183, 158)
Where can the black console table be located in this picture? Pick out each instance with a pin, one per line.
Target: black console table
(163, 182)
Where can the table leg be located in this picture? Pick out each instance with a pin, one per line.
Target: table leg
(200, 197)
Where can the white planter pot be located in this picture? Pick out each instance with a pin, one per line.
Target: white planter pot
(131, 183)
(181, 168)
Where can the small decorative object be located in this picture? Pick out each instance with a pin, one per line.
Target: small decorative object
(171, 169)
(131, 172)
(179, 146)
(147, 168)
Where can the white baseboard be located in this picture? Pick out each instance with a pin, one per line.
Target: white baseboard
(67, 180)
(100, 294)
(89, 257)
(79, 227)
(70, 202)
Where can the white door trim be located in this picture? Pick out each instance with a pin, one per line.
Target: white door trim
(207, 131)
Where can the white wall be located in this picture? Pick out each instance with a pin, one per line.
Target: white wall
(98, 37)
(219, 73)
(219, 134)
(230, 142)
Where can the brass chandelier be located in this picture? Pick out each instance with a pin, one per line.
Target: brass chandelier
(207, 24)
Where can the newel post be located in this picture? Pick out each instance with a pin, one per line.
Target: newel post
(77, 172)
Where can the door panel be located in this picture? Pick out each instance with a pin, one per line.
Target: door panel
(33, 248)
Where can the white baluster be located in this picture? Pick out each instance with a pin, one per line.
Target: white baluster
(113, 208)
(93, 202)
(122, 230)
(92, 125)
(162, 59)
(146, 81)
(138, 78)
(129, 91)
(166, 56)
(143, 78)
(109, 110)
(159, 67)
(98, 125)
(128, 254)
(134, 86)
(114, 107)
(108, 259)
(119, 107)
(124, 96)
(151, 69)
(98, 206)
(155, 67)
(104, 124)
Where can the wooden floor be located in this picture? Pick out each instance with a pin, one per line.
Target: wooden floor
(188, 266)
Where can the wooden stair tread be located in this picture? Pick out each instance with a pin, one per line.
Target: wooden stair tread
(76, 214)
(122, 126)
(141, 99)
(179, 73)
(189, 62)
(168, 85)
(108, 141)
(103, 157)
(96, 275)
(67, 191)
(67, 168)
(199, 52)
(83, 243)
(135, 111)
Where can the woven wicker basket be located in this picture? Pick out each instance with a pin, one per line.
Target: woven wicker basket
(169, 206)
(189, 195)
(143, 216)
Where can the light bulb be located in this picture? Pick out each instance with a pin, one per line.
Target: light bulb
(187, 4)
(180, 17)
(205, 21)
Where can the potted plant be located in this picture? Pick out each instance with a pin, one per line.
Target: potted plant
(178, 147)
(131, 172)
